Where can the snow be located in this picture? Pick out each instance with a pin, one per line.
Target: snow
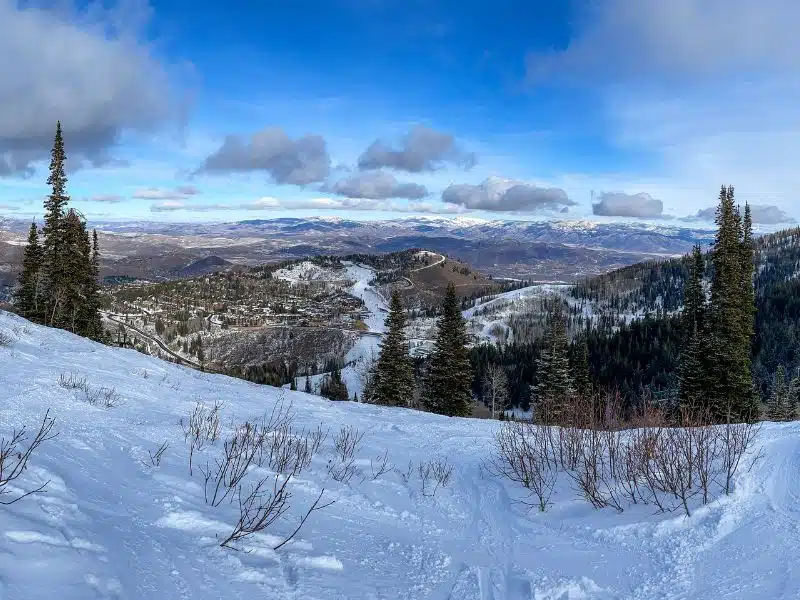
(110, 526)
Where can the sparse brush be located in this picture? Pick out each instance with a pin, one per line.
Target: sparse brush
(434, 474)
(15, 453)
(73, 381)
(155, 457)
(346, 444)
(5, 339)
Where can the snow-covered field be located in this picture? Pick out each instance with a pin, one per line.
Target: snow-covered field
(111, 526)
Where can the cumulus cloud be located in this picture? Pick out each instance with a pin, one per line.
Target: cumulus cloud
(377, 185)
(421, 149)
(178, 193)
(640, 206)
(765, 214)
(301, 161)
(87, 69)
(505, 195)
(107, 198)
(679, 39)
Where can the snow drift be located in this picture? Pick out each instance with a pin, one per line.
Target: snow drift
(111, 524)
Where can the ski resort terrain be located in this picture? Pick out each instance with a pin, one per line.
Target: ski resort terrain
(113, 522)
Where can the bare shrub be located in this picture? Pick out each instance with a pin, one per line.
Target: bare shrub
(406, 475)
(228, 470)
(5, 339)
(270, 443)
(15, 453)
(261, 507)
(155, 457)
(346, 444)
(107, 397)
(525, 454)
(594, 472)
(378, 467)
(434, 474)
(736, 439)
(202, 427)
(73, 381)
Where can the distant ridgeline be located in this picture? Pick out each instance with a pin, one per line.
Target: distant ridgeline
(630, 321)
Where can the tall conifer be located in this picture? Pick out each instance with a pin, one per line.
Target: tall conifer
(447, 387)
(27, 296)
(55, 267)
(553, 386)
(391, 382)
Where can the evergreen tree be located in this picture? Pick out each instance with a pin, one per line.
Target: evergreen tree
(54, 262)
(778, 408)
(391, 381)
(74, 252)
(794, 398)
(308, 388)
(580, 368)
(553, 386)
(333, 388)
(448, 380)
(94, 322)
(27, 295)
(293, 384)
(692, 377)
(730, 393)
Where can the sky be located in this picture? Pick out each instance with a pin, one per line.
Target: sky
(370, 109)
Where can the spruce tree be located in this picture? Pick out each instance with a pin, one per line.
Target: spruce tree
(582, 379)
(74, 252)
(391, 382)
(553, 387)
(27, 295)
(447, 387)
(692, 379)
(54, 262)
(778, 408)
(731, 393)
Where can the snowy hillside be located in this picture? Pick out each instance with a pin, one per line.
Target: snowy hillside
(111, 525)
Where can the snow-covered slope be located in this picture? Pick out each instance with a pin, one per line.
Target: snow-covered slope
(109, 526)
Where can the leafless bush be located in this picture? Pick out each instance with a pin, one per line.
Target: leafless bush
(736, 439)
(378, 467)
(261, 507)
(346, 444)
(270, 443)
(434, 474)
(406, 475)
(5, 339)
(202, 427)
(104, 396)
(15, 453)
(525, 454)
(155, 457)
(595, 469)
(225, 474)
(73, 381)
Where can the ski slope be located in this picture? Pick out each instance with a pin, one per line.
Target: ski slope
(109, 526)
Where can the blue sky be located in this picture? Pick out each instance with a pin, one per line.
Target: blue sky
(616, 109)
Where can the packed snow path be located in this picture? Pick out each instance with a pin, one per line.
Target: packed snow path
(110, 526)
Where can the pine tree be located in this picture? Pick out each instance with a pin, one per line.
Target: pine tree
(391, 382)
(553, 387)
(447, 387)
(692, 377)
(74, 252)
(308, 388)
(94, 322)
(582, 379)
(333, 388)
(794, 397)
(778, 408)
(54, 263)
(27, 296)
(730, 394)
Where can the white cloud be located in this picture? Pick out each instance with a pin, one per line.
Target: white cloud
(707, 92)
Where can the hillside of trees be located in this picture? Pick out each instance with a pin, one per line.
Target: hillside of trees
(634, 336)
